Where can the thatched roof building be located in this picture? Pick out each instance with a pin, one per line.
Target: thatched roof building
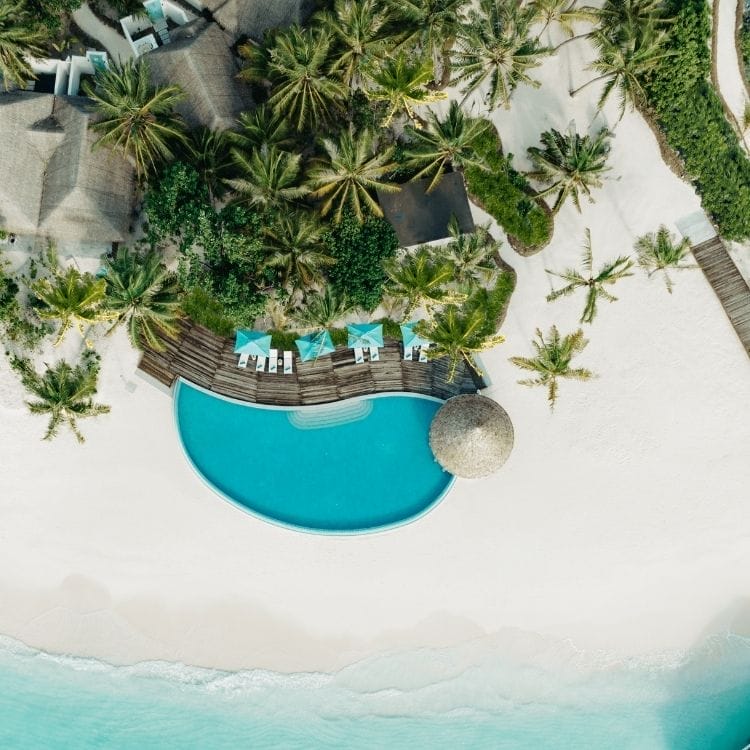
(200, 61)
(253, 18)
(419, 216)
(51, 182)
(471, 436)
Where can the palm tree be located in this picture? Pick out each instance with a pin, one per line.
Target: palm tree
(420, 278)
(495, 47)
(401, 81)
(552, 361)
(350, 172)
(458, 337)
(260, 127)
(136, 117)
(20, 38)
(360, 33)
(323, 309)
(609, 274)
(623, 62)
(297, 66)
(470, 255)
(208, 153)
(563, 13)
(73, 298)
(659, 252)
(269, 178)
(144, 296)
(447, 143)
(64, 392)
(433, 25)
(294, 247)
(616, 17)
(571, 163)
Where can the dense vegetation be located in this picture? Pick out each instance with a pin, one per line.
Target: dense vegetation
(691, 115)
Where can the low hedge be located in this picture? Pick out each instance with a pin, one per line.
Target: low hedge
(689, 112)
(505, 195)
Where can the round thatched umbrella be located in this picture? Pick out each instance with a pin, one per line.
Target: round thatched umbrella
(471, 436)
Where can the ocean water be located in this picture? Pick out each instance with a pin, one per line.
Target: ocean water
(454, 698)
(356, 465)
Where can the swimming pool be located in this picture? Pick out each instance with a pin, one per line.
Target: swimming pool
(353, 466)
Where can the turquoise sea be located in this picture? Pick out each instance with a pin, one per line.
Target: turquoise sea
(425, 699)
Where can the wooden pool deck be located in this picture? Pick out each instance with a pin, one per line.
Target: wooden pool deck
(208, 360)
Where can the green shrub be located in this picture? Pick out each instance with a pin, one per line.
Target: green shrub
(339, 336)
(17, 326)
(391, 329)
(202, 308)
(691, 115)
(505, 195)
(359, 250)
(493, 302)
(284, 339)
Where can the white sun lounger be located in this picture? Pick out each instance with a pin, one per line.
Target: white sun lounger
(242, 362)
(273, 356)
(408, 353)
(288, 360)
(260, 365)
(374, 354)
(423, 353)
(359, 355)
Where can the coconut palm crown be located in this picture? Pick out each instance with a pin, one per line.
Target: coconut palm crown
(553, 361)
(144, 296)
(446, 143)
(63, 391)
(594, 284)
(471, 255)
(20, 38)
(136, 117)
(660, 252)
(570, 163)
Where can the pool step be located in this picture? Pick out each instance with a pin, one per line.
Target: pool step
(317, 417)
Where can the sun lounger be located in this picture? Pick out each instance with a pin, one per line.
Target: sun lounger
(260, 365)
(273, 356)
(242, 362)
(288, 360)
(408, 353)
(359, 355)
(423, 354)
(374, 354)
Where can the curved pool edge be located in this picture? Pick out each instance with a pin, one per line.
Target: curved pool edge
(179, 381)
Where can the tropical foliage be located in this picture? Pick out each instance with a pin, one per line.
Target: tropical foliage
(552, 360)
(143, 295)
(471, 255)
(570, 164)
(658, 252)
(136, 117)
(64, 392)
(594, 284)
(20, 37)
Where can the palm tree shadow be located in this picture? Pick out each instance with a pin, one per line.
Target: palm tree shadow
(708, 703)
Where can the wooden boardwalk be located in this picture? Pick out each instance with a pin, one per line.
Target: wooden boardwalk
(728, 283)
(208, 360)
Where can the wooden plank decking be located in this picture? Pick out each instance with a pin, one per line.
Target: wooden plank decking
(728, 283)
(208, 360)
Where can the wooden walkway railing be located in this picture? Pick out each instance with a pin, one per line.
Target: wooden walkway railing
(728, 283)
(208, 360)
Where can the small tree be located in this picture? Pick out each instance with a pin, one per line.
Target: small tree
(552, 361)
(63, 391)
(322, 309)
(471, 255)
(659, 251)
(609, 274)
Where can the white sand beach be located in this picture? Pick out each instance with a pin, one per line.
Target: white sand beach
(618, 525)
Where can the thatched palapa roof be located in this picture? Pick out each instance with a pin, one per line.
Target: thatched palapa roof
(471, 436)
(254, 17)
(419, 216)
(200, 61)
(51, 182)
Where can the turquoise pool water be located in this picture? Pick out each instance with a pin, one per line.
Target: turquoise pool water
(396, 703)
(357, 465)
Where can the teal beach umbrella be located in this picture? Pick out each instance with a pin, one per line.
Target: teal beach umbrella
(411, 338)
(365, 335)
(314, 345)
(254, 343)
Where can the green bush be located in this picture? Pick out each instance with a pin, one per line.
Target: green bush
(284, 339)
(202, 308)
(391, 329)
(493, 302)
(505, 195)
(16, 324)
(359, 250)
(692, 118)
